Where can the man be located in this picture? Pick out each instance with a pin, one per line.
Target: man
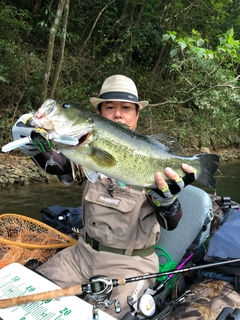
(120, 235)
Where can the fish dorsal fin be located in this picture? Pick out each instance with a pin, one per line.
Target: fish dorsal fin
(90, 174)
(167, 143)
(102, 158)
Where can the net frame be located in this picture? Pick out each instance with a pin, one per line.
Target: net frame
(24, 222)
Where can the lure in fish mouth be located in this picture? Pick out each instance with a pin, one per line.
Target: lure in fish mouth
(103, 146)
(63, 129)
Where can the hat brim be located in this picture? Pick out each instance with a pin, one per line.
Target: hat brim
(96, 101)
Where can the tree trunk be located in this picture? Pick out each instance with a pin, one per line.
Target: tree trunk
(63, 40)
(48, 64)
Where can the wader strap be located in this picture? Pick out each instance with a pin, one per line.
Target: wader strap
(96, 245)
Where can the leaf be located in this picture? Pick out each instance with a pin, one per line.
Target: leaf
(200, 42)
(3, 79)
(173, 67)
(230, 32)
(165, 37)
(173, 52)
(183, 45)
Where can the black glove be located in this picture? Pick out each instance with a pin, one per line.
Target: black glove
(175, 187)
(167, 196)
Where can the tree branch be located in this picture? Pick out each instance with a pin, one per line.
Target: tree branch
(94, 25)
(223, 85)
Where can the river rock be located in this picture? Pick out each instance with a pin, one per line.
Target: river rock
(205, 150)
(19, 170)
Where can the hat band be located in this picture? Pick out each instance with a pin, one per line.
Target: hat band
(117, 95)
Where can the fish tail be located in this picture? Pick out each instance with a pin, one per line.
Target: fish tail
(209, 164)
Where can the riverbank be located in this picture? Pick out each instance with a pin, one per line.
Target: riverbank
(21, 170)
(16, 170)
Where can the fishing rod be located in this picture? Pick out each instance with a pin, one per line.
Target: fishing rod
(123, 281)
(100, 287)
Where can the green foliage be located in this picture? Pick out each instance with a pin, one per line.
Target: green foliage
(210, 77)
(14, 22)
(183, 56)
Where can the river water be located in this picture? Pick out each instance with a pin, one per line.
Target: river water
(29, 200)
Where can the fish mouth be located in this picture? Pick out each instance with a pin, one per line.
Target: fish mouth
(82, 139)
(69, 142)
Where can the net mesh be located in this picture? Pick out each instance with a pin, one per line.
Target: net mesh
(23, 239)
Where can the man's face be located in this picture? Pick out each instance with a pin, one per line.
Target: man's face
(124, 112)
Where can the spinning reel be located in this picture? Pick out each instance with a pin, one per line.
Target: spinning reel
(100, 289)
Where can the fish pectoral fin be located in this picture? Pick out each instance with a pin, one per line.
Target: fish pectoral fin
(102, 158)
(90, 174)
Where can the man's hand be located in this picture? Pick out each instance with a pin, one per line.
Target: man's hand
(167, 192)
(172, 175)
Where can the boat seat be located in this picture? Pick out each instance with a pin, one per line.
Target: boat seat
(197, 209)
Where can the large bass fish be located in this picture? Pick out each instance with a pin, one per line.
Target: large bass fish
(102, 146)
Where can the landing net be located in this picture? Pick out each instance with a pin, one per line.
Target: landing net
(23, 239)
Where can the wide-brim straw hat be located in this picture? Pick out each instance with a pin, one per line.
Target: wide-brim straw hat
(118, 88)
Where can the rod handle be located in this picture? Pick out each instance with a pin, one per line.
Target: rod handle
(71, 291)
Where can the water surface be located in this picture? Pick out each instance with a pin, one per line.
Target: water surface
(29, 200)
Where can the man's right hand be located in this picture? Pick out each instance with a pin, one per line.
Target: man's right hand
(167, 192)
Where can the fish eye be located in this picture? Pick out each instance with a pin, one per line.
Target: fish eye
(66, 105)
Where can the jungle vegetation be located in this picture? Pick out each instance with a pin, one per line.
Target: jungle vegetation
(184, 56)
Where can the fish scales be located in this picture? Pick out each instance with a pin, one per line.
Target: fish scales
(139, 158)
(113, 149)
